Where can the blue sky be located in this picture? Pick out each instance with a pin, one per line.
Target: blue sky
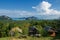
(18, 4)
(25, 4)
(25, 8)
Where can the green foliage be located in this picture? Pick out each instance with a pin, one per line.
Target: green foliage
(7, 25)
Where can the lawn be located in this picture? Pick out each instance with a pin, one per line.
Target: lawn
(28, 38)
(6, 38)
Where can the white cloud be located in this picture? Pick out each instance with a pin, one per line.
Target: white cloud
(34, 7)
(44, 8)
(16, 13)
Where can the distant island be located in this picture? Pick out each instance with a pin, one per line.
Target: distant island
(3, 17)
(26, 18)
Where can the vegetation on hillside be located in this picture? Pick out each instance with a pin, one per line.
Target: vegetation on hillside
(7, 25)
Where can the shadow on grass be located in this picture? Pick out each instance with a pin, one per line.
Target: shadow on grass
(57, 37)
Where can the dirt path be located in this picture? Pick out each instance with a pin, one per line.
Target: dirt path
(17, 39)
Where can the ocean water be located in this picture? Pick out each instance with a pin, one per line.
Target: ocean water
(18, 18)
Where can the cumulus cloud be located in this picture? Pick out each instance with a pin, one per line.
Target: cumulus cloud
(44, 8)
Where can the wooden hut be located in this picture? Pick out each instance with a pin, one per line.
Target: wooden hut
(51, 31)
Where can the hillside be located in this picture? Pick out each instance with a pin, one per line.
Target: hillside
(3, 17)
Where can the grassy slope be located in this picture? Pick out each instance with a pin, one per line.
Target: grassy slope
(29, 38)
(4, 38)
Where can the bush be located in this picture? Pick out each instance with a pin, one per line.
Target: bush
(42, 31)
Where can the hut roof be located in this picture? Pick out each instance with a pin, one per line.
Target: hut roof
(47, 28)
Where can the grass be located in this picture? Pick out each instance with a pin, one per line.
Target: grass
(28, 38)
(6, 38)
(41, 38)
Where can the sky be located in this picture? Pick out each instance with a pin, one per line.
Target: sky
(44, 9)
